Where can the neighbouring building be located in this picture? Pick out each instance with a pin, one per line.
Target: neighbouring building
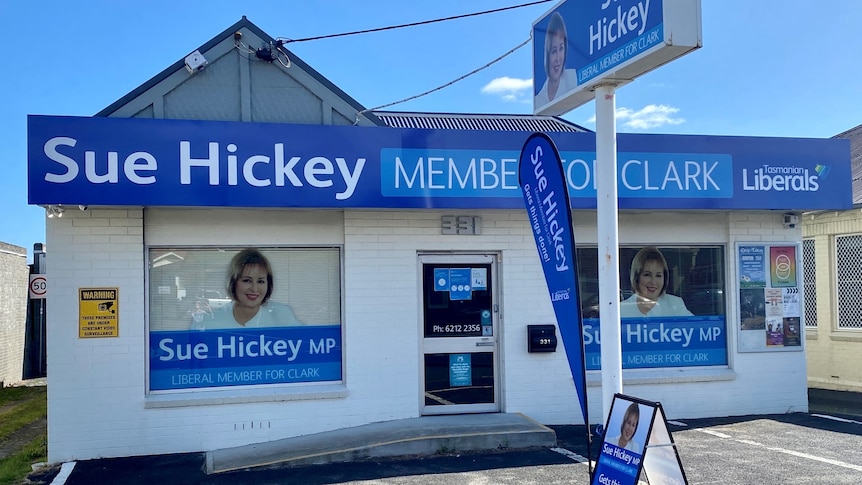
(14, 278)
(832, 247)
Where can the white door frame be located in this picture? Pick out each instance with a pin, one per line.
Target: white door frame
(461, 345)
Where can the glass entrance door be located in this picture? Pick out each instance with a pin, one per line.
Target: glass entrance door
(459, 334)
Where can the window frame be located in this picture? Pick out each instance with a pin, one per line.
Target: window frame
(635, 354)
(332, 254)
(841, 286)
(809, 272)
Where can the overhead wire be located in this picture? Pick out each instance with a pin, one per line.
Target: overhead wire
(284, 40)
(425, 22)
(413, 24)
(474, 71)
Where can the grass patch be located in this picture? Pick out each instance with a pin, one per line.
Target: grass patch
(32, 405)
(17, 466)
(21, 407)
(21, 393)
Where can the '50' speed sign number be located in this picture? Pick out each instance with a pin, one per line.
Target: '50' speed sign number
(38, 286)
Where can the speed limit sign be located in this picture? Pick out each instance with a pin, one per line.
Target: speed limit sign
(38, 286)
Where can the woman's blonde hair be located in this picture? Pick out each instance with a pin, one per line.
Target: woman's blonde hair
(556, 26)
(241, 260)
(632, 411)
(645, 255)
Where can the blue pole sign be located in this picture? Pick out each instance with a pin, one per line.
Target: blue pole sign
(580, 43)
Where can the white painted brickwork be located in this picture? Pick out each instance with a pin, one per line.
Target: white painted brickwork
(98, 401)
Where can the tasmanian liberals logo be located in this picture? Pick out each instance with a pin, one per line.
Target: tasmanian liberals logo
(822, 171)
(784, 178)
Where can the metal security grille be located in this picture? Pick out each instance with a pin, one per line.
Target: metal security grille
(809, 263)
(848, 256)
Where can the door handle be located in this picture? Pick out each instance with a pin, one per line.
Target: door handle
(484, 344)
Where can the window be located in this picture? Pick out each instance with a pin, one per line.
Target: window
(686, 327)
(280, 325)
(809, 263)
(849, 281)
(696, 274)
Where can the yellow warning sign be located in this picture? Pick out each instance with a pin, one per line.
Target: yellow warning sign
(98, 312)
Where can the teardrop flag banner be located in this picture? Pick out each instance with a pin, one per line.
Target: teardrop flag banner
(546, 195)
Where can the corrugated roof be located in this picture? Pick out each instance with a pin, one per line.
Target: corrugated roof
(466, 121)
(855, 137)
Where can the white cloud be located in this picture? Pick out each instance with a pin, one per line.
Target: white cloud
(510, 89)
(651, 116)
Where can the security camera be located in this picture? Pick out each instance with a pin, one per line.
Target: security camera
(83, 207)
(195, 62)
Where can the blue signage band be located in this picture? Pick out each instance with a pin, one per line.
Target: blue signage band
(184, 163)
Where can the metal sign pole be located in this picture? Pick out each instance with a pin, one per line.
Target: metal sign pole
(607, 209)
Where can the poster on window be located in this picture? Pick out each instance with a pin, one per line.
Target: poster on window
(770, 306)
(222, 317)
(672, 307)
(782, 266)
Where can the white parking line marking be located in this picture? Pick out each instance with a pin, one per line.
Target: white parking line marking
(582, 460)
(715, 433)
(787, 452)
(574, 456)
(65, 471)
(836, 418)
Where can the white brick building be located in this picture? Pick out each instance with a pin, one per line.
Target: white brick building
(366, 273)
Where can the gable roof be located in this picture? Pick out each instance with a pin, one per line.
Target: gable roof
(395, 119)
(228, 33)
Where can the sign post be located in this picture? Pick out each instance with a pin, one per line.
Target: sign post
(607, 210)
(584, 51)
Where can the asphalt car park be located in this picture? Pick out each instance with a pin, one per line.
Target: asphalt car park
(798, 448)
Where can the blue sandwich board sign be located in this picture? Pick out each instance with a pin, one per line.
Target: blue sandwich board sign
(637, 440)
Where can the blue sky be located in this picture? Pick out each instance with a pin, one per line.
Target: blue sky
(785, 68)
